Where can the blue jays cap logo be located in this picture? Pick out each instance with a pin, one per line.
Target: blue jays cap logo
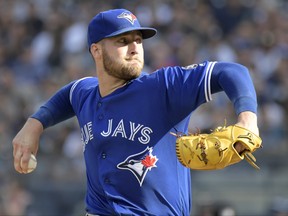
(114, 22)
(128, 16)
(139, 164)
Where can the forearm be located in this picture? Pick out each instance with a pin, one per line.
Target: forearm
(26, 142)
(57, 109)
(235, 81)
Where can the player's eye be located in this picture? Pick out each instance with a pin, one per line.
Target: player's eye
(138, 40)
(123, 41)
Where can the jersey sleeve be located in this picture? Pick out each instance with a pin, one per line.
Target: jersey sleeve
(63, 105)
(235, 80)
(80, 90)
(186, 88)
(57, 109)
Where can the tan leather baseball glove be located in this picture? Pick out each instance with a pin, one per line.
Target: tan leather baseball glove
(216, 150)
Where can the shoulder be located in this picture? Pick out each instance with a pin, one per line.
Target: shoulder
(172, 72)
(86, 81)
(192, 67)
(84, 84)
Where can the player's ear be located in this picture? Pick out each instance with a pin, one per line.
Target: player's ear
(95, 50)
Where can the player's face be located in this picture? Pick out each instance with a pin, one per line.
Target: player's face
(123, 55)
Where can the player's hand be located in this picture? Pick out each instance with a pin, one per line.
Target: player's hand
(25, 143)
(247, 120)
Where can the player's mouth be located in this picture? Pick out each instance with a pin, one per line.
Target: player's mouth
(134, 61)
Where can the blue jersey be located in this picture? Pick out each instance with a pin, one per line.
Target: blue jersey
(130, 156)
(129, 152)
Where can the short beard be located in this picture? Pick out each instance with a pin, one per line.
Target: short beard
(119, 70)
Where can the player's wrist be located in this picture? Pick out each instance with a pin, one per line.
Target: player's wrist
(34, 125)
(248, 120)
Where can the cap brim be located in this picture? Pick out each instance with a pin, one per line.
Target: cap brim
(146, 32)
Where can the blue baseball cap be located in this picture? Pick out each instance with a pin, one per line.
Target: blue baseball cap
(115, 22)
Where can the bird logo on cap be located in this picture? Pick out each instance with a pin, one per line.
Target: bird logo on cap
(128, 16)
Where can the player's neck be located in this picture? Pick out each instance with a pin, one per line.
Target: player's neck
(108, 84)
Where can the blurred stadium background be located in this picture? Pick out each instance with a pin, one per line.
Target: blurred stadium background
(43, 46)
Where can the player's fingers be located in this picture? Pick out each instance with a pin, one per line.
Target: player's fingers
(21, 157)
(17, 161)
(16, 146)
(24, 160)
(239, 147)
(17, 154)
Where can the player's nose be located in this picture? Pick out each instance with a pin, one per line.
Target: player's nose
(133, 48)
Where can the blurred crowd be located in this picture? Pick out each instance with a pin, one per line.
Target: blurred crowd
(43, 47)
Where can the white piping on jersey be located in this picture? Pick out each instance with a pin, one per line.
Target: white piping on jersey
(74, 86)
(207, 83)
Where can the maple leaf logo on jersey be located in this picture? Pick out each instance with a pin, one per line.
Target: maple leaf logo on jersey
(128, 16)
(139, 164)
